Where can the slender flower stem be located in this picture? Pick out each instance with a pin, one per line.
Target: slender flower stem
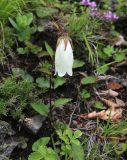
(50, 94)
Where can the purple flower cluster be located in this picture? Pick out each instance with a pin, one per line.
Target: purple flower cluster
(94, 12)
(88, 3)
(108, 15)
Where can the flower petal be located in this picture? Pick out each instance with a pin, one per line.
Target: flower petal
(64, 58)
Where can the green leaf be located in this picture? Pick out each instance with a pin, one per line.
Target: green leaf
(27, 77)
(77, 152)
(49, 50)
(108, 50)
(35, 156)
(63, 136)
(68, 147)
(120, 148)
(78, 63)
(75, 141)
(77, 134)
(99, 105)
(43, 82)
(43, 150)
(40, 28)
(41, 142)
(58, 82)
(88, 80)
(68, 132)
(62, 101)
(21, 50)
(51, 154)
(40, 108)
(119, 57)
(21, 21)
(34, 48)
(45, 11)
(29, 18)
(21, 73)
(85, 94)
(14, 24)
(102, 69)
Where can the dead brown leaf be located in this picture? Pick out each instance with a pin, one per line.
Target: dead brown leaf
(114, 115)
(110, 103)
(120, 102)
(109, 92)
(114, 85)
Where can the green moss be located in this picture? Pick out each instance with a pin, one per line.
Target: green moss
(14, 96)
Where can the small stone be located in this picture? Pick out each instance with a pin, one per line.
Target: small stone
(74, 124)
(120, 41)
(33, 124)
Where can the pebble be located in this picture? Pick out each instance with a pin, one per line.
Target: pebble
(33, 124)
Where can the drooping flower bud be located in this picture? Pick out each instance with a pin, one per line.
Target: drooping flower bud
(63, 57)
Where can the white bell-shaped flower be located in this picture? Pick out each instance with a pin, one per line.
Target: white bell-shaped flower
(63, 57)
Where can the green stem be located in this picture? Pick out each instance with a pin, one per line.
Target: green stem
(3, 40)
(58, 158)
(91, 57)
(105, 65)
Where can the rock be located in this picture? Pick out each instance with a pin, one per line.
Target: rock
(7, 147)
(124, 82)
(33, 124)
(5, 129)
(120, 41)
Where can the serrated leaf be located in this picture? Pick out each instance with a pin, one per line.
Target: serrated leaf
(61, 101)
(78, 63)
(88, 80)
(40, 108)
(41, 142)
